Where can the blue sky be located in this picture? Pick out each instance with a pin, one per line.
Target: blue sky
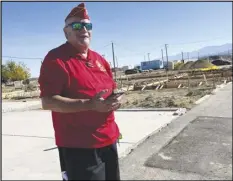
(31, 29)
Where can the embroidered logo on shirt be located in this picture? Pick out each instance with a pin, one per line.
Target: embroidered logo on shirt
(101, 67)
(89, 64)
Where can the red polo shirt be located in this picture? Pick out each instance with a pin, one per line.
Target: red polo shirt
(65, 72)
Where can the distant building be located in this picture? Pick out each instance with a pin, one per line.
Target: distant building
(170, 65)
(130, 66)
(124, 68)
(116, 69)
(177, 61)
(153, 64)
(137, 67)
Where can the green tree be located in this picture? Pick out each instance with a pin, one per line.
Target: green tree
(15, 71)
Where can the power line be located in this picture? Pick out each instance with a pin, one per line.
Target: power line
(22, 57)
(133, 53)
(201, 41)
(186, 43)
(160, 46)
(125, 48)
(130, 50)
(35, 58)
(103, 46)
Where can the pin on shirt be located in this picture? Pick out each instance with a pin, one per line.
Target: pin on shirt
(89, 64)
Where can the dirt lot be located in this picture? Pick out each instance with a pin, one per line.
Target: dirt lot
(168, 95)
(171, 97)
(155, 99)
(165, 98)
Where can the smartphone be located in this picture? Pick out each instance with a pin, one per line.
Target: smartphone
(116, 95)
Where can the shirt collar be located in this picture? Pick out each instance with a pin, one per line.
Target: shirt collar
(74, 53)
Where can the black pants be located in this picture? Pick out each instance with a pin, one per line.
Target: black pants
(89, 164)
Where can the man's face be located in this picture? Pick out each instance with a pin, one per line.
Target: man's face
(77, 37)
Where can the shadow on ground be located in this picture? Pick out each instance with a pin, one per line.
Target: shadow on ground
(203, 147)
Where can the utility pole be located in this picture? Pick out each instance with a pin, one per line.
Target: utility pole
(166, 56)
(188, 55)
(148, 56)
(113, 57)
(230, 53)
(182, 57)
(162, 55)
(116, 62)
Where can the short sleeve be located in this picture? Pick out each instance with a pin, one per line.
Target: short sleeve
(53, 77)
(109, 71)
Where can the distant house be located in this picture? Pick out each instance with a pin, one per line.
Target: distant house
(153, 64)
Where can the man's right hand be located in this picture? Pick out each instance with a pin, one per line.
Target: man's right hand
(100, 105)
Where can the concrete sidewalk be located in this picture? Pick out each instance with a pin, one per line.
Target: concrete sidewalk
(166, 144)
(28, 140)
(16, 106)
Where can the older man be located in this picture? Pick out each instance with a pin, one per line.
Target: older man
(76, 84)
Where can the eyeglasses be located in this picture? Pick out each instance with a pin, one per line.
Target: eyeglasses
(78, 26)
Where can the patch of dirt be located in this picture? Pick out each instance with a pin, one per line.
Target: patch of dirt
(164, 98)
(186, 66)
(8, 89)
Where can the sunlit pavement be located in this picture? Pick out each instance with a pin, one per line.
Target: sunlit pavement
(29, 151)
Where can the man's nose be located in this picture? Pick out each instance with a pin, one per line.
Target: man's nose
(84, 29)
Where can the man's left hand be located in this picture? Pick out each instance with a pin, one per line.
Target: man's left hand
(114, 102)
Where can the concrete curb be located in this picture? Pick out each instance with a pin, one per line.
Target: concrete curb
(202, 99)
(134, 146)
(219, 87)
(38, 107)
(30, 108)
(149, 109)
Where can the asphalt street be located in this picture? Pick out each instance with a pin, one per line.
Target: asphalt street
(197, 145)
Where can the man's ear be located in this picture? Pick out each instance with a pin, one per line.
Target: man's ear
(66, 34)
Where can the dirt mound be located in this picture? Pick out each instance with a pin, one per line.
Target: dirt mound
(178, 66)
(187, 65)
(201, 64)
